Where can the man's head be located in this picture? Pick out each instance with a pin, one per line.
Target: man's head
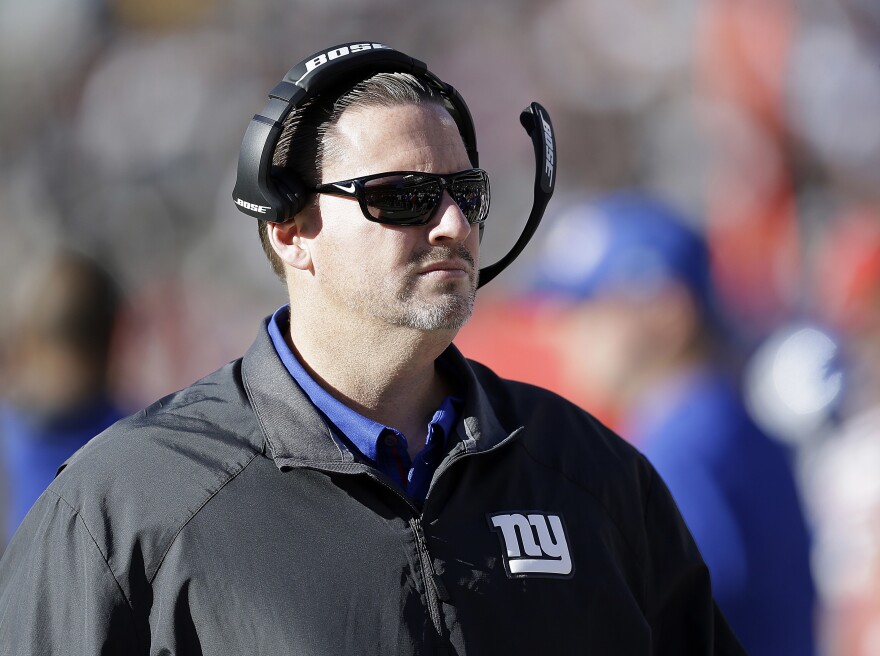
(417, 276)
(59, 350)
(637, 279)
(309, 135)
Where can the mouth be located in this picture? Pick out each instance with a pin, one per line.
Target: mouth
(446, 267)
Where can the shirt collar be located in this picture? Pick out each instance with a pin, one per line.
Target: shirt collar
(297, 434)
(363, 432)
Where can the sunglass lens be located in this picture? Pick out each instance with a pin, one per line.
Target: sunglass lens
(472, 196)
(408, 202)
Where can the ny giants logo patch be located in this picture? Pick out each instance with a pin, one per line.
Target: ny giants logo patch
(533, 544)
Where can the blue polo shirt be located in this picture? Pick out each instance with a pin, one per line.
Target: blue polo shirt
(383, 446)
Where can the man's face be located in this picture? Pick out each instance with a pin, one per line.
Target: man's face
(422, 277)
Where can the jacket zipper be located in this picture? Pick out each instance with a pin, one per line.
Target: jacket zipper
(447, 464)
(435, 590)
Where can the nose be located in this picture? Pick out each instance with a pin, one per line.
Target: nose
(449, 224)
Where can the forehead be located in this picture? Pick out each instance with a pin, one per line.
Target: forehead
(369, 140)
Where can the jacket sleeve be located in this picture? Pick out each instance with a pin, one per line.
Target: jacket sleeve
(683, 614)
(57, 592)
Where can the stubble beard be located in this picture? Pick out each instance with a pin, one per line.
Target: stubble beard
(409, 305)
(450, 312)
(449, 307)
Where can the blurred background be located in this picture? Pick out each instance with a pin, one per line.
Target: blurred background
(756, 122)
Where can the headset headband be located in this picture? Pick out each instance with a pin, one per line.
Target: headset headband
(255, 192)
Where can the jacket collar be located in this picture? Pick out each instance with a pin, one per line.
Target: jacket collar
(297, 434)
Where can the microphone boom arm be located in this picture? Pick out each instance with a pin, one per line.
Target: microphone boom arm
(537, 123)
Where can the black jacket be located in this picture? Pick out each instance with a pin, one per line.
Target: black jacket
(228, 518)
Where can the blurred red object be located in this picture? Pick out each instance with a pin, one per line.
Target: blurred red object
(512, 337)
(848, 271)
(742, 53)
(518, 339)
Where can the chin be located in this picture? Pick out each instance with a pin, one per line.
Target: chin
(450, 313)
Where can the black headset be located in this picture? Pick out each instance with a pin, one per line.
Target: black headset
(260, 194)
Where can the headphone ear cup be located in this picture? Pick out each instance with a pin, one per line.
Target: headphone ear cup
(293, 194)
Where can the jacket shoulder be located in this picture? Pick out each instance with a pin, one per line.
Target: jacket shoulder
(554, 425)
(140, 481)
(570, 443)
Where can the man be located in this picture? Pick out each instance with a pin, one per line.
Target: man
(641, 336)
(353, 485)
(56, 370)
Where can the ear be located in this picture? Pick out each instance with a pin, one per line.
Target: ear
(290, 244)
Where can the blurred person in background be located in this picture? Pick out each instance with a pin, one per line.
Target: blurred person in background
(843, 475)
(641, 336)
(56, 364)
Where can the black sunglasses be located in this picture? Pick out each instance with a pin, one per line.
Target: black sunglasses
(410, 198)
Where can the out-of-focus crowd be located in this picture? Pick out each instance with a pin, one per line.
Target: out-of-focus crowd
(746, 303)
